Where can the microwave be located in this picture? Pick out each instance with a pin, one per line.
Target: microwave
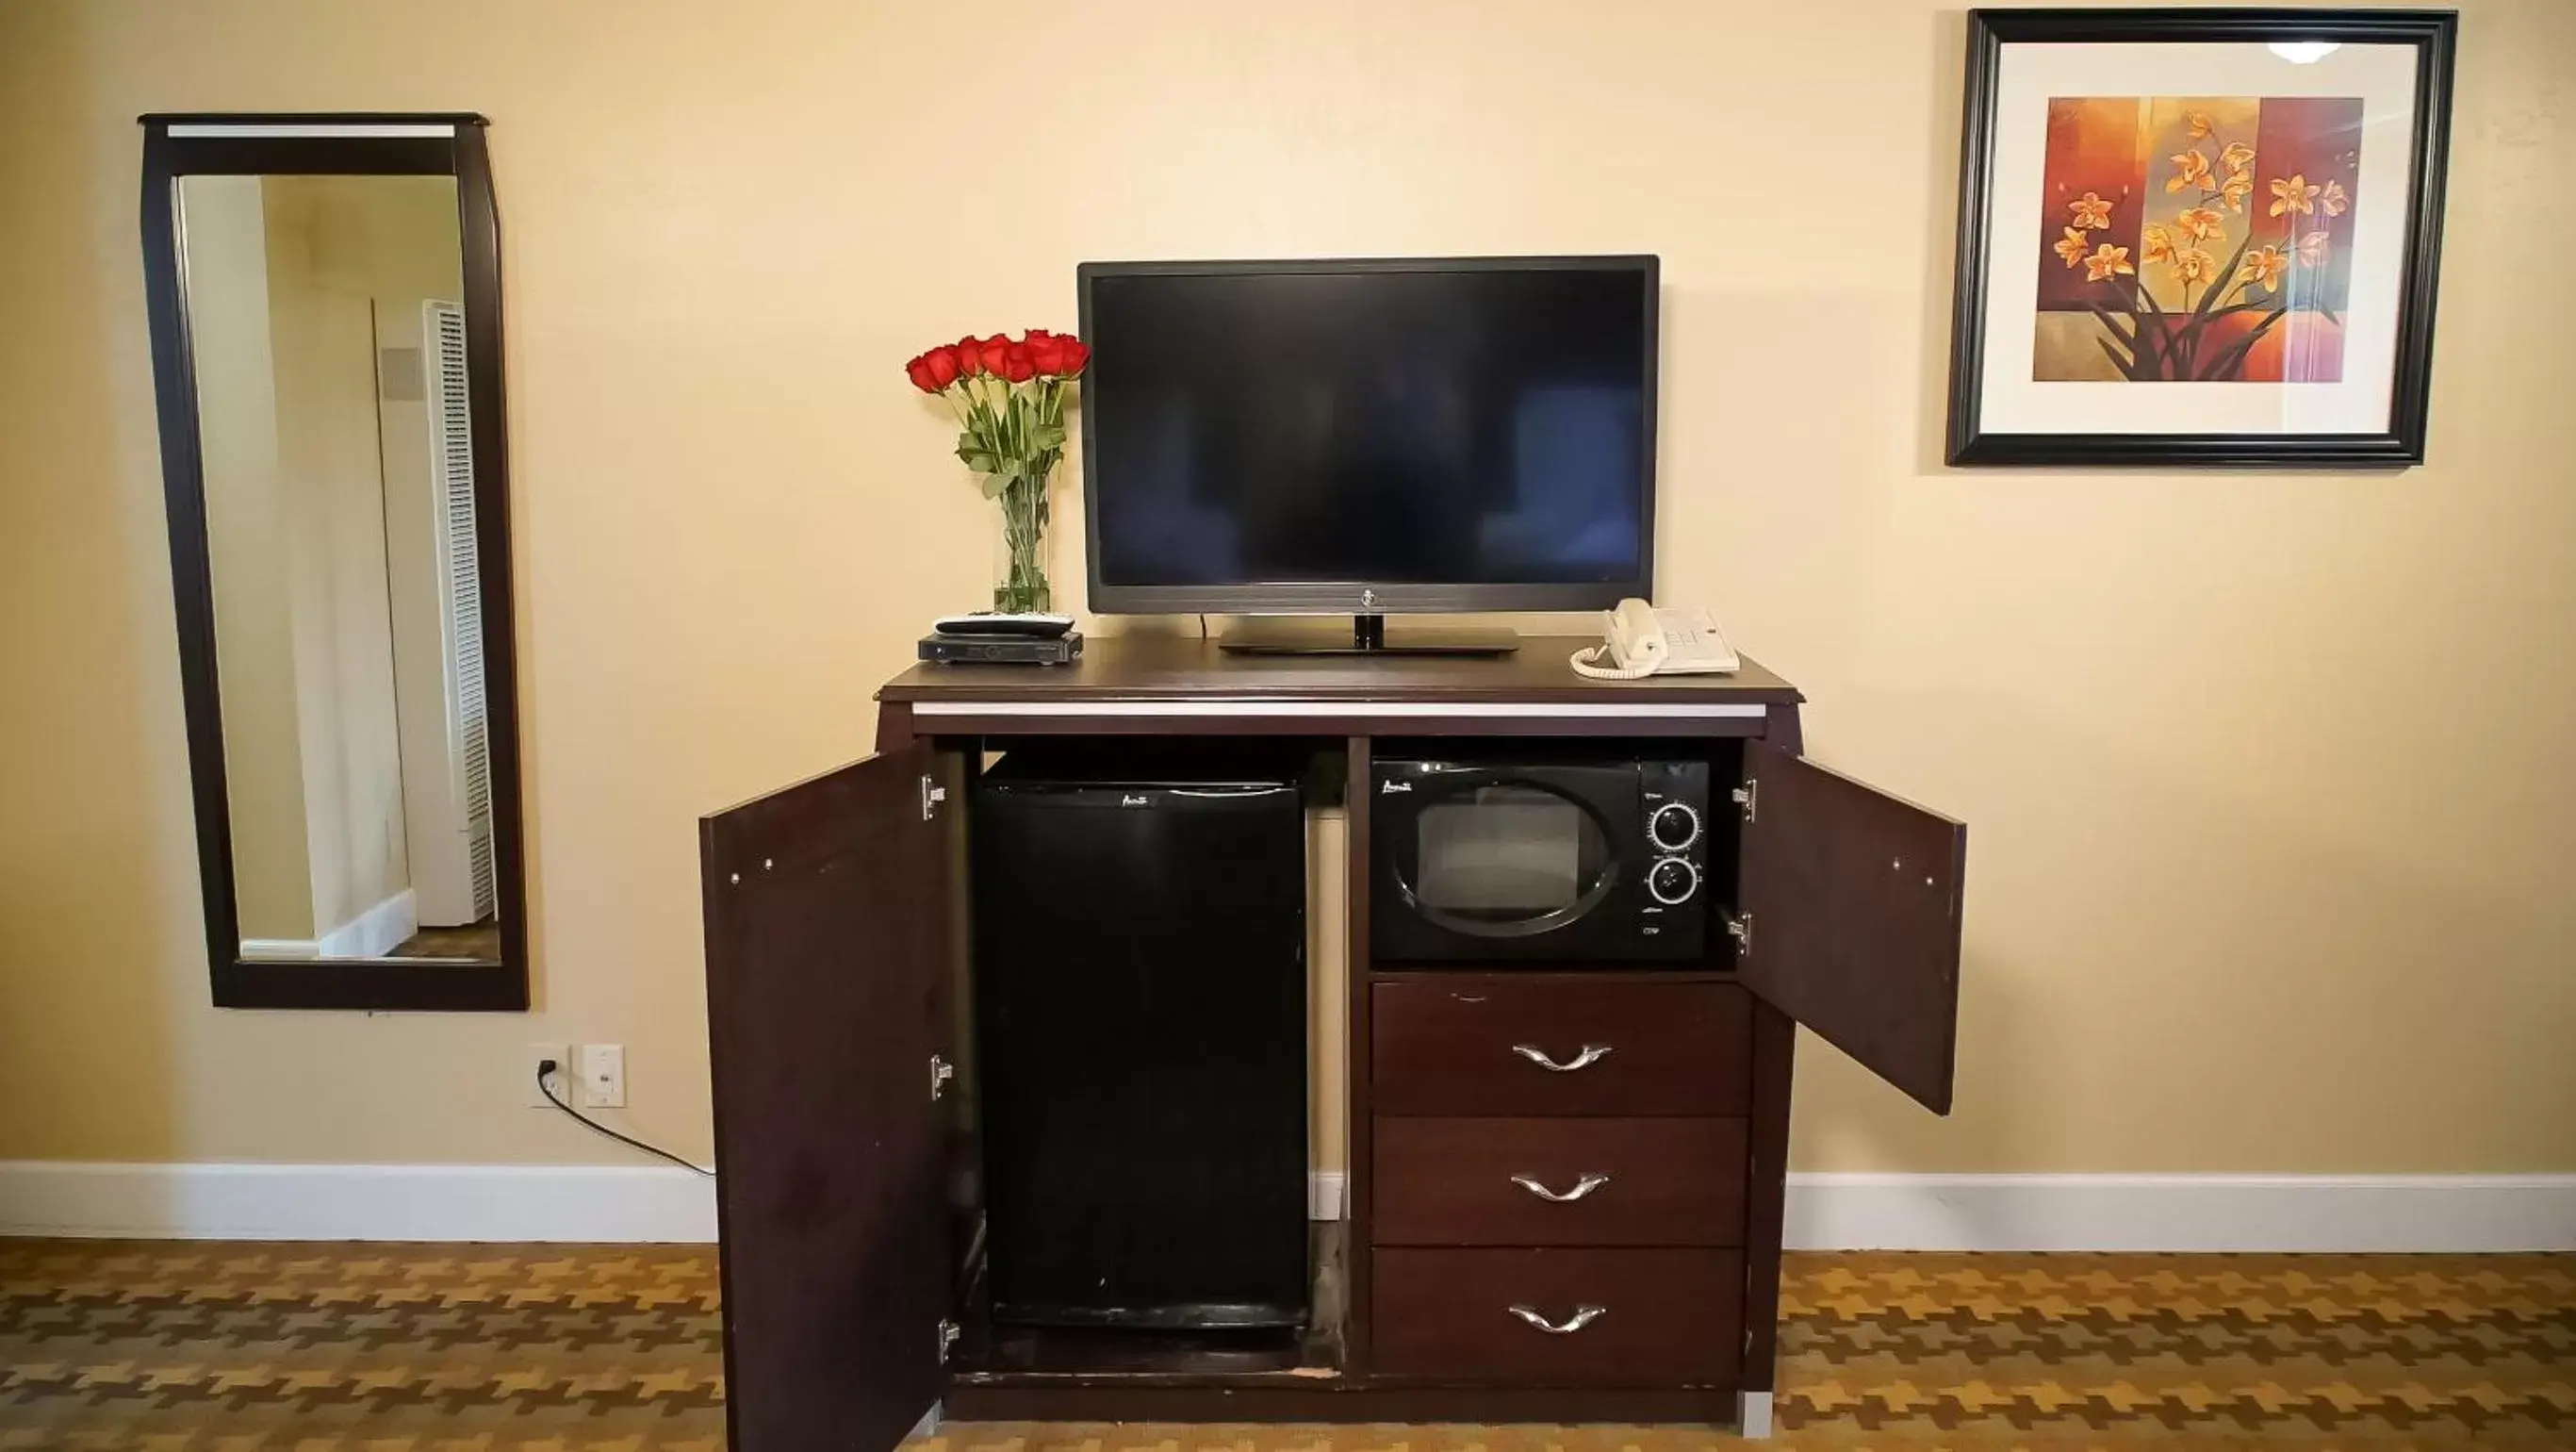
(1599, 861)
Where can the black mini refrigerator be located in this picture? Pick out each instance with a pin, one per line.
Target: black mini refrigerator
(1140, 1002)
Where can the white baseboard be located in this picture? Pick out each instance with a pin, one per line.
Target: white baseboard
(377, 931)
(371, 934)
(2289, 1213)
(1324, 1194)
(356, 1202)
(574, 1203)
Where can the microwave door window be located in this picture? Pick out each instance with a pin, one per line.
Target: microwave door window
(1508, 861)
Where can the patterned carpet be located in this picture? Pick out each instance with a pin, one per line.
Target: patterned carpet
(371, 1348)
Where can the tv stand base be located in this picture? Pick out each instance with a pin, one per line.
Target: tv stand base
(1291, 635)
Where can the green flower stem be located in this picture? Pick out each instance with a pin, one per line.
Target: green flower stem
(1024, 585)
(1013, 436)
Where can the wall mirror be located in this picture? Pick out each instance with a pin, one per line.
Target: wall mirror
(324, 294)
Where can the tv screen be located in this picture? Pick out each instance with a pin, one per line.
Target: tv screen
(1473, 434)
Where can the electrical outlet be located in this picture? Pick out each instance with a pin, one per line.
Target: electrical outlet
(603, 1075)
(529, 1093)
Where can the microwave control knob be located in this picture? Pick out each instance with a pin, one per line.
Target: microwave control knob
(1673, 826)
(1672, 881)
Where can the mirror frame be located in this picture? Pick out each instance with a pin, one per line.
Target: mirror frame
(177, 145)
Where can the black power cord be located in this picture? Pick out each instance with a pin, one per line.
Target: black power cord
(549, 1066)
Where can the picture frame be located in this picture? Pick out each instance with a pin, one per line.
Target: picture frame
(2109, 161)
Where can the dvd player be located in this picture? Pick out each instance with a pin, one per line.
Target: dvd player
(949, 649)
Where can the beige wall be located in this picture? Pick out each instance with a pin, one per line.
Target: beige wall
(232, 341)
(2270, 774)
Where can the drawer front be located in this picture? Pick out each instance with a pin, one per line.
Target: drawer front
(1622, 1317)
(1493, 1044)
(1559, 1182)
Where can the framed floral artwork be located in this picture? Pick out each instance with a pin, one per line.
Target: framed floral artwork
(2199, 236)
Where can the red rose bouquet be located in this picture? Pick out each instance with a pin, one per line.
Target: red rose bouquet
(1009, 400)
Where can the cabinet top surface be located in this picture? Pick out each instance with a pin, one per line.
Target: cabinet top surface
(1165, 668)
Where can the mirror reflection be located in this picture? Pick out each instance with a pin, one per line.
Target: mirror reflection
(325, 320)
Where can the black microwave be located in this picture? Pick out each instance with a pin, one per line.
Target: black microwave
(1572, 861)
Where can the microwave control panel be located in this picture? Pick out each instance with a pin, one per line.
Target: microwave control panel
(1674, 805)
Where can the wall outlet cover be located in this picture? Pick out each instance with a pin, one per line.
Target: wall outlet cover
(603, 1076)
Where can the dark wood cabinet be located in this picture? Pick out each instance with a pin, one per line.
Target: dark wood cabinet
(1495, 1044)
(826, 918)
(1520, 1239)
(1850, 922)
(1559, 1182)
(1562, 1317)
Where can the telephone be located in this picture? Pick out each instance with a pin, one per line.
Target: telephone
(1644, 641)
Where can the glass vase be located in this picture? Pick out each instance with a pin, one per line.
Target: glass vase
(1020, 584)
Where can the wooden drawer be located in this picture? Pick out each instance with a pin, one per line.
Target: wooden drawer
(1629, 1182)
(1657, 1317)
(1471, 1044)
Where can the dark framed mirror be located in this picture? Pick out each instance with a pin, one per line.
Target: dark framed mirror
(325, 302)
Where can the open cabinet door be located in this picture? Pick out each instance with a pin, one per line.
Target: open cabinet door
(1850, 918)
(827, 923)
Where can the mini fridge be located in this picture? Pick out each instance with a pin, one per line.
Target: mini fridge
(1140, 1005)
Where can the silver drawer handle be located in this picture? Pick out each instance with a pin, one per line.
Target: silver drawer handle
(1583, 1316)
(1582, 1187)
(1592, 1054)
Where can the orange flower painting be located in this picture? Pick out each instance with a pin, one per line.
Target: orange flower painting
(2198, 239)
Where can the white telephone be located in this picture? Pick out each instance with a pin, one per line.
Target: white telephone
(1644, 641)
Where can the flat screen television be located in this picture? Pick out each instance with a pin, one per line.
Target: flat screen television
(1369, 437)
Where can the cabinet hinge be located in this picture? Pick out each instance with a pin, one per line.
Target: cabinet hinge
(1739, 926)
(932, 794)
(947, 1337)
(941, 1071)
(1744, 797)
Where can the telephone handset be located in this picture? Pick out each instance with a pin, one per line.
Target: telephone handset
(1644, 641)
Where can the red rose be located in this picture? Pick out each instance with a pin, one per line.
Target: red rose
(943, 366)
(1046, 350)
(918, 370)
(970, 363)
(995, 350)
(1017, 365)
(1077, 353)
